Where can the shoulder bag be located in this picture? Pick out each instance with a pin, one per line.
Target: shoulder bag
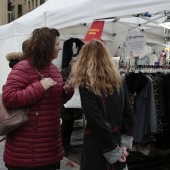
(11, 119)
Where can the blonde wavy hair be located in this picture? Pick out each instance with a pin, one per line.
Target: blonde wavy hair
(95, 70)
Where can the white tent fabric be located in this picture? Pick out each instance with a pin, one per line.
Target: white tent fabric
(66, 15)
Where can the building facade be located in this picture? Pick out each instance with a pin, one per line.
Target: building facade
(10, 10)
(3, 12)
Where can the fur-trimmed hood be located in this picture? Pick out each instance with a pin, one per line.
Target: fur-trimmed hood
(14, 56)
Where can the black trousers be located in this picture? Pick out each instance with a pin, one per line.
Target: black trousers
(67, 129)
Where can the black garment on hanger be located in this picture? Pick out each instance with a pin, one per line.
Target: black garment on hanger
(68, 50)
(135, 81)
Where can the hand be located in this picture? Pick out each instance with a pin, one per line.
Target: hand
(124, 149)
(124, 154)
(122, 159)
(47, 83)
(68, 84)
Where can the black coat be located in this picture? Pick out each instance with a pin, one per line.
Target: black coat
(68, 50)
(100, 138)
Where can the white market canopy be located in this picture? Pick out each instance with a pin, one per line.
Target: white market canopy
(66, 14)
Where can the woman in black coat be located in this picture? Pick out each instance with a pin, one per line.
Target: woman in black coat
(105, 103)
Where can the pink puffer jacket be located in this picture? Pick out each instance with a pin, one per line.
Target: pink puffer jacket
(38, 142)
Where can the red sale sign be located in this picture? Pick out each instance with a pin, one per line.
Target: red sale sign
(95, 31)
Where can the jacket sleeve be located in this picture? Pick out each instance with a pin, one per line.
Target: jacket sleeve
(67, 95)
(127, 120)
(18, 92)
(102, 134)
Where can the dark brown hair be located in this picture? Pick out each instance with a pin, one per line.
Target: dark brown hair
(25, 45)
(40, 50)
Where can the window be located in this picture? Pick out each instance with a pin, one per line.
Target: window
(9, 17)
(13, 13)
(42, 1)
(29, 6)
(19, 11)
(9, 6)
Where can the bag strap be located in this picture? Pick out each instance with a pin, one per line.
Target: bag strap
(4, 138)
(41, 75)
(105, 107)
(105, 111)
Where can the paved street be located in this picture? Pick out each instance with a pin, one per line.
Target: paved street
(2, 166)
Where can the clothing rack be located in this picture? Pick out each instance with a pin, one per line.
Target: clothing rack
(154, 66)
(148, 68)
(137, 161)
(154, 160)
